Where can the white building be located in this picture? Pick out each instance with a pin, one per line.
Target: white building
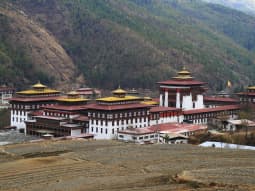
(5, 94)
(170, 133)
(119, 112)
(240, 124)
(182, 92)
(30, 100)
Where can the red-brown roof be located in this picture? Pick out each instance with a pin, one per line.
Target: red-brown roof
(137, 131)
(36, 113)
(209, 110)
(116, 107)
(65, 107)
(182, 82)
(162, 109)
(220, 99)
(176, 127)
(34, 99)
(82, 118)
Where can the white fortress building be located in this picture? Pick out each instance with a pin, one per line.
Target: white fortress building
(118, 112)
(27, 101)
(182, 92)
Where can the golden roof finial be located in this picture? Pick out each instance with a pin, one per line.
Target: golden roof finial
(119, 91)
(39, 85)
(184, 74)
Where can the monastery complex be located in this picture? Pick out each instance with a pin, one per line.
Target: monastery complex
(182, 108)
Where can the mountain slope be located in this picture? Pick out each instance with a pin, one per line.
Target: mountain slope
(30, 53)
(138, 42)
(247, 6)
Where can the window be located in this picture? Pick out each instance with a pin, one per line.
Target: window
(101, 130)
(121, 136)
(106, 131)
(96, 130)
(112, 131)
(140, 138)
(134, 138)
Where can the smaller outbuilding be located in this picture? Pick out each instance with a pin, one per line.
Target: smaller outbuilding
(238, 125)
(170, 133)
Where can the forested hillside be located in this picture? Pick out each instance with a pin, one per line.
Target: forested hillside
(247, 6)
(138, 42)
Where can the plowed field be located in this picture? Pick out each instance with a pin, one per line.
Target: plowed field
(108, 165)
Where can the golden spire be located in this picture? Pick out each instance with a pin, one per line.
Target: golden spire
(39, 85)
(119, 92)
(184, 74)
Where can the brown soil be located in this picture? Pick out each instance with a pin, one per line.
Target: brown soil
(108, 165)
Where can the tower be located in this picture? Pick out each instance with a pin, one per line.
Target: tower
(182, 91)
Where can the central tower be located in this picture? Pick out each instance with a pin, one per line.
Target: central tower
(182, 91)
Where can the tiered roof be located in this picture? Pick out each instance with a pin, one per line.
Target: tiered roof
(71, 103)
(38, 89)
(183, 78)
(119, 101)
(72, 97)
(119, 96)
